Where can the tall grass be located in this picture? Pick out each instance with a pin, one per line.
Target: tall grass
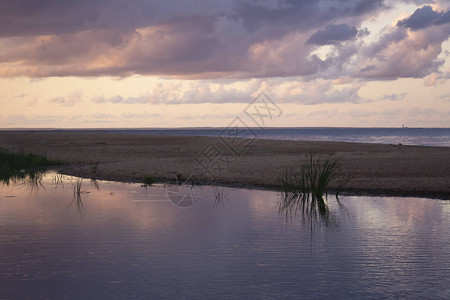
(148, 180)
(306, 190)
(22, 166)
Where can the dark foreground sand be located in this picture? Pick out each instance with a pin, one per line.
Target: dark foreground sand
(374, 168)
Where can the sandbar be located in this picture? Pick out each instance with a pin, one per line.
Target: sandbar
(374, 169)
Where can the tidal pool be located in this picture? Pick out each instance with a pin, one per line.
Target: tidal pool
(119, 241)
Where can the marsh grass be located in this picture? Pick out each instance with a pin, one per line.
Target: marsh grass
(179, 178)
(148, 180)
(94, 170)
(23, 167)
(305, 191)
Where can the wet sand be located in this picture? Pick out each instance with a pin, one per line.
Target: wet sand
(374, 169)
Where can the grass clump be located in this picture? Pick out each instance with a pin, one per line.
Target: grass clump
(149, 180)
(16, 166)
(306, 190)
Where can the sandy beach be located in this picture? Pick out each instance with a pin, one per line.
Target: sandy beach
(374, 168)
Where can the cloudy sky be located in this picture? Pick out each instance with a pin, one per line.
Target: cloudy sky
(185, 63)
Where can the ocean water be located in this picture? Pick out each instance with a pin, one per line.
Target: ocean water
(122, 241)
(405, 136)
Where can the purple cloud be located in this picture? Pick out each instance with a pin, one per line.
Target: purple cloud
(425, 17)
(333, 34)
(394, 97)
(212, 39)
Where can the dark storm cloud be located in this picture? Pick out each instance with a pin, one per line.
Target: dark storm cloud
(425, 17)
(333, 34)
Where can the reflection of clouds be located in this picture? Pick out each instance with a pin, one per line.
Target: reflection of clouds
(397, 238)
(262, 203)
(445, 208)
(388, 247)
(404, 214)
(112, 201)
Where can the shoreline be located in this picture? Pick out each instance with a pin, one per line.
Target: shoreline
(358, 192)
(375, 169)
(275, 188)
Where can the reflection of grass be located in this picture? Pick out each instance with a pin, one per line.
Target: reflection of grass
(95, 183)
(220, 196)
(23, 166)
(77, 186)
(77, 194)
(34, 180)
(59, 179)
(306, 190)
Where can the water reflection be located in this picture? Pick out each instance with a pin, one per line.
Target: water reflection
(77, 191)
(296, 204)
(136, 243)
(309, 210)
(30, 179)
(220, 196)
(33, 181)
(58, 179)
(78, 202)
(183, 195)
(95, 184)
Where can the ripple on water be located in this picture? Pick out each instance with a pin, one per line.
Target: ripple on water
(129, 241)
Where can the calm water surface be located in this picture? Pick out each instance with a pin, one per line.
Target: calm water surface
(406, 136)
(124, 241)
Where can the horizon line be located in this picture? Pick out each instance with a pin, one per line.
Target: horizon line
(207, 127)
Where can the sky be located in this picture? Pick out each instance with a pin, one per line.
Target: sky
(185, 63)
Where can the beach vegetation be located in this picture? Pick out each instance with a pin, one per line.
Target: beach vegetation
(179, 178)
(148, 180)
(94, 170)
(23, 166)
(305, 189)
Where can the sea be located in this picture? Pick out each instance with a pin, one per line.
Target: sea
(405, 136)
